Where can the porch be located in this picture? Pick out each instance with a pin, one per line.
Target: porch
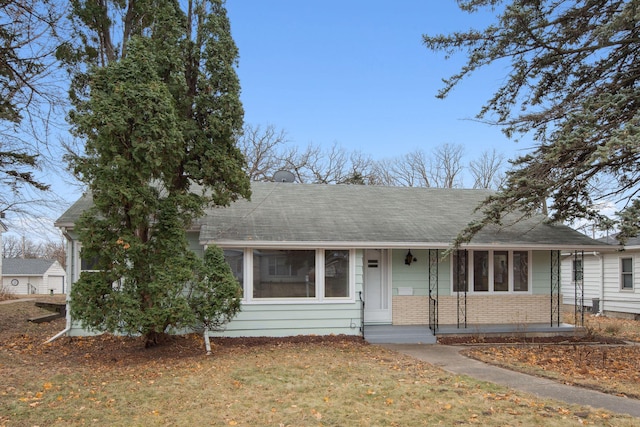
(421, 334)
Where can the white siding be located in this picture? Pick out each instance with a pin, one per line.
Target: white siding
(53, 279)
(592, 283)
(26, 284)
(602, 280)
(616, 299)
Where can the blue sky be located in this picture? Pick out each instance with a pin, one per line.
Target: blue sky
(355, 73)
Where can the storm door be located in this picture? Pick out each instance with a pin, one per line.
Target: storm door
(377, 293)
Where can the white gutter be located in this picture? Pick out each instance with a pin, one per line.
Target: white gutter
(601, 308)
(70, 266)
(67, 326)
(396, 245)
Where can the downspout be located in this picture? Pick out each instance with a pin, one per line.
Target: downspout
(70, 273)
(601, 258)
(64, 331)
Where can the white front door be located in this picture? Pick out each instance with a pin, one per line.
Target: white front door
(377, 296)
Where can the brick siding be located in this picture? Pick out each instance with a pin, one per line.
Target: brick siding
(481, 309)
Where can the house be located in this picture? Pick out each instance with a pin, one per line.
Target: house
(350, 259)
(33, 276)
(606, 282)
(3, 229)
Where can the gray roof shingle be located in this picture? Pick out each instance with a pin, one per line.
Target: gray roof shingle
(25, 267)
(632, 242)
(283, 212)
(364, 216)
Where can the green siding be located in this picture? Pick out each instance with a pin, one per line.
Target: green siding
(359, 272)
(194, 243)
(541, 280)
(444, 277)
(416, 275)
(294, 319)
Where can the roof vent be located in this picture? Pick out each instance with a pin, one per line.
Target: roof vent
(283, 176)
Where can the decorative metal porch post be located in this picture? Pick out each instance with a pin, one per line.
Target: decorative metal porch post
(555, 287)
(434, 256)
(578, 287)
(461, 275)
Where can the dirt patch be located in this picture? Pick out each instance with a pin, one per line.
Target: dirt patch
(586, 339)
(20, 338)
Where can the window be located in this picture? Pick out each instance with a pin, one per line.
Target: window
(520, 271)
(626, 273)
(279, 266)
(490, 271)
(288, 275)
(577, 273)
(501, 271)
(481, 271)
(90, 264)
(459, 265)
(336, 273)
(235, 259)
(284, 273)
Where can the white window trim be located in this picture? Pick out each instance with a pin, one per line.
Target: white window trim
(470, 266)
(320, 298)
(633, 287)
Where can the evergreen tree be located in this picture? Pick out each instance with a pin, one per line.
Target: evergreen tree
(573, 84)
(160, 113)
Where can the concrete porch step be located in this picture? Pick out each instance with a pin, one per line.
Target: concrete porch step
(389, 334)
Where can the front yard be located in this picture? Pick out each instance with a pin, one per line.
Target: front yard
(306, 381)
(613, 369)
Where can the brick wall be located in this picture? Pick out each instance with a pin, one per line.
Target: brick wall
(481, 309)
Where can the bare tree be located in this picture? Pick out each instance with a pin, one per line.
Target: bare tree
(442, 168)
(267, 150)
(328, 167)
(487, 170)
(297, 161)
(261, 148)
(446, 166)
(408, 170)
(384, 173)
(361, 170)
(22, 247)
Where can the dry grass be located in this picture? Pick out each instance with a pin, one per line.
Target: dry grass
(625, 329)
(614, 370)
(611, 369)
(303, 382)
(6, 294)
(604, 326)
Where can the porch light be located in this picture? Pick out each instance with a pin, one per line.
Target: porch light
(409, 258)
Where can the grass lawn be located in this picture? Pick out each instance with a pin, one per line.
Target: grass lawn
(335, 381)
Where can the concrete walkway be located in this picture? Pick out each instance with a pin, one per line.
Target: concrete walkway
(450, 359)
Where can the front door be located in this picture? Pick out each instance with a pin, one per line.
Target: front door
(377, 296)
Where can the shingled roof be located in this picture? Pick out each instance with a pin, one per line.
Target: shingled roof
(632, 242)
(371, 216)
(364, 216)
(25, 267)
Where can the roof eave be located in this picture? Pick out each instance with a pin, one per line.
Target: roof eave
(400, 245)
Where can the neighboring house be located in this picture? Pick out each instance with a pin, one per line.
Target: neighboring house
(3, 228)
(609, 282)
(343, 259)
(33, 276)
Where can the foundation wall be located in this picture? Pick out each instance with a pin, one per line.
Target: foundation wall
(481, 309)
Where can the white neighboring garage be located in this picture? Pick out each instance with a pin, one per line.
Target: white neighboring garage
(33, 276)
